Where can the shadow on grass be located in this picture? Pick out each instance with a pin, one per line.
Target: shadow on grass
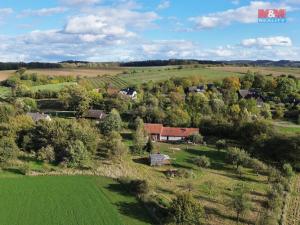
(237, 177)
(133, 209)
(179, 165)
(143, 160)
(220, 214)
(13, 170)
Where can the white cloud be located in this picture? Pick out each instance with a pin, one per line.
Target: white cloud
(267, 41)
(235, 2)
(79, 2)
(164, 4)
(43, 11)
(244, 14)
(6, 11)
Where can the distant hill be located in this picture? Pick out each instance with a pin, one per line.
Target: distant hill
(31, 65)
(281, 63)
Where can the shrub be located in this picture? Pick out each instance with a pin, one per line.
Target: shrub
(221, 144)
(196, 138)
(202, 161)
(78, 156)
(8, 149)
(287, 170)
(46, 154)
(24, 169)
(185, 210)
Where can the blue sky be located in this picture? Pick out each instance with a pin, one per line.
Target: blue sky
(123, 30)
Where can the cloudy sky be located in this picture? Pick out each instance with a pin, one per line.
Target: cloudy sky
(124, 30)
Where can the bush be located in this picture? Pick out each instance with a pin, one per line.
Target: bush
(24, 169)
(46, 154)
(136, 187)
(8, 149)
(196, 138)
(202, 161)
(78, 156)
(221, 144)
(185, 210)
(287, 170)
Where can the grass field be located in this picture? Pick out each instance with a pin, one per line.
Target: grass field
(276, 71)
(146, 74)
(71, 200)
(287, 127)
(52, 87)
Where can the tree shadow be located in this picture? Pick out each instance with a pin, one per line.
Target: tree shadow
(13, 170)
(143, 160)
(217, 212)
(237, 177)
(134, 210)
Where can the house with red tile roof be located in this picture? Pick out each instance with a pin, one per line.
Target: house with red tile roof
(157, 132)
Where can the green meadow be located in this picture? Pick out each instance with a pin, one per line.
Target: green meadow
(61, 200)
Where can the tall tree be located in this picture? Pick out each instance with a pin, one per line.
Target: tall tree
(139, 137)
(112, 122)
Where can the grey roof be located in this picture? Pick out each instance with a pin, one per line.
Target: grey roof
(244, 92)
(38, 116)
(95, 114)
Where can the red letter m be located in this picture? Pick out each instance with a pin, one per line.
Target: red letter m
(263, 13)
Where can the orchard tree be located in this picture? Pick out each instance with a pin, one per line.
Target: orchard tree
(185, 210)
(240, 201)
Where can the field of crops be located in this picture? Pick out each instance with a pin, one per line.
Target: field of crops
(67, 201)
(146, 74)
(276, 71)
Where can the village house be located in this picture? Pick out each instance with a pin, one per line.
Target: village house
(129, 92)
(95, 114)
(252, 93)
(39, 116)
(157, 132)
(158, 159)
(196, 89)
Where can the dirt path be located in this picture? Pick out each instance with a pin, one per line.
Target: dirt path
(293, 212)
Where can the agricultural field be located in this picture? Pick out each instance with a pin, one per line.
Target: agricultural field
(51, 87)
(276, 71)
(73, 200)
(4, 74)
(212, 186)
(146, 74)
(66, 72)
